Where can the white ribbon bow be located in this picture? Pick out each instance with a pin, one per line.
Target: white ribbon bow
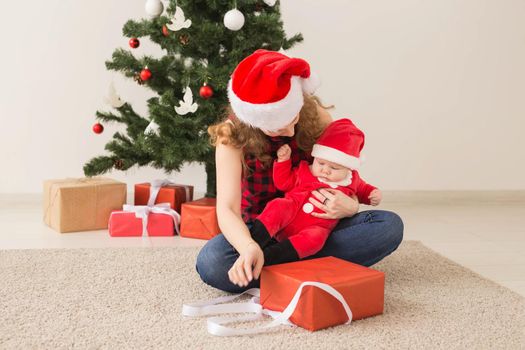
(217, 306)
(143, 211)
(155, 188)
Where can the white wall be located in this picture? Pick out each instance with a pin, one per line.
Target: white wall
(437, 86)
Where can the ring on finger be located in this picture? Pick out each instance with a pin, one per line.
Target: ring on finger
(325, 200)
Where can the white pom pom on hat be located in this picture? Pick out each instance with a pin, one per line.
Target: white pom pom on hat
(266, 89)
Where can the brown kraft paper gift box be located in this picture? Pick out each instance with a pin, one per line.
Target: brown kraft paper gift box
(81, 204)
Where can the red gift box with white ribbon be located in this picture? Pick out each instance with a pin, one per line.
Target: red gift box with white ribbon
(141, 220)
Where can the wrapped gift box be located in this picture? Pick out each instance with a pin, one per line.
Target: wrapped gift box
(81, 204)
(173, 193)
(127, 224)
(199, 219)
(361, 287)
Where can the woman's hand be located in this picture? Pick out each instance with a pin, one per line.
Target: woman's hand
(334, 203)
(247, 266)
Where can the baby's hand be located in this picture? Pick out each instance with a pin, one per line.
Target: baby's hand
(284, 153)
(375, 197)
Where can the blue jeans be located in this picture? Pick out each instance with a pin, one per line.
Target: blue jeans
(364, 239)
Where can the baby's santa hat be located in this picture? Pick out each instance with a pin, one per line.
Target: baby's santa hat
(266, 89)
(341, 143)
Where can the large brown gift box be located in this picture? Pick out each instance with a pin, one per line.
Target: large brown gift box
(199, 219)
(174, 194)
(82, 204)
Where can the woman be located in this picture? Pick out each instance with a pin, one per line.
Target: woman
(271, 105)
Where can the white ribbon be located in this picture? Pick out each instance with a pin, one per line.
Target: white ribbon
(155, 188)
(143, 211)
(217, 306)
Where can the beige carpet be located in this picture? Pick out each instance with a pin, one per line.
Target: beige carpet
(132, 298)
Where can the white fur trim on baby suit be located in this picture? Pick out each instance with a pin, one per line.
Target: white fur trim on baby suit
(336, 156)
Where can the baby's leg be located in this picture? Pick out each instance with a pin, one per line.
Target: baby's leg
(309, 240)
(306, 242)
(277, 214)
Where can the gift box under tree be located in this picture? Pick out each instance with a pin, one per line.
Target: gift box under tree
(82, 204)
(150, 216)
(199, 219)
(163, 191)
(142, 220)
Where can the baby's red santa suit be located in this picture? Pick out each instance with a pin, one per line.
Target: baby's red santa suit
(289, 219)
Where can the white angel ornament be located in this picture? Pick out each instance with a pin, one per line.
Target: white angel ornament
(270, 2)
(113, 99)
(178, 21)
(187, 105)
(152, 128)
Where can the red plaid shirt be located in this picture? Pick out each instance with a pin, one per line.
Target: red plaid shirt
(257, 184)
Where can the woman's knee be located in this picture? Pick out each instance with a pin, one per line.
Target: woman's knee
(211, 260)
(394, 226)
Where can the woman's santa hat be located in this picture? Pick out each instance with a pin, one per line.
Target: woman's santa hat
(266, 89)
(341, 143)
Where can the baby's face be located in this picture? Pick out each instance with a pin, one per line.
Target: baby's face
(329, 171)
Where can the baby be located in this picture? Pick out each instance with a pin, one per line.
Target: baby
(288, 220)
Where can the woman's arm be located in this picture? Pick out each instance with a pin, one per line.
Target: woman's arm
(248, 266)
(229, 172)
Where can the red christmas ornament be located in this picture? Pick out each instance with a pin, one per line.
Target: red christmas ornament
(165, 30)
(206, 91)
(98, 128)
(145, 74)
(134, 43)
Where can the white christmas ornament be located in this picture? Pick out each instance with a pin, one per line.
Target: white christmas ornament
(234, 20)
(188, 62)
(186, 106)
(270, 2)
(154, 8)
(152, 128)
(222, 50)
(178, 21)
(113, 99)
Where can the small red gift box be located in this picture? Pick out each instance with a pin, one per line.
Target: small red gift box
(199, 219)
(171, 193)
(125, 223)
(361, 287)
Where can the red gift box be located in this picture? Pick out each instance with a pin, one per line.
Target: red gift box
(199, 219)
(127, 224)
(174, 194)
(361, 287)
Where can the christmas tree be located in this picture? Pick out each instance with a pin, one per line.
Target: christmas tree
(203, 41)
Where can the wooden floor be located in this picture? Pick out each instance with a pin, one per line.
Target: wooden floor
(483, 231)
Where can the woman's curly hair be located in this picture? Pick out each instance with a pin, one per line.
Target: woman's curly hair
(254, 142)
